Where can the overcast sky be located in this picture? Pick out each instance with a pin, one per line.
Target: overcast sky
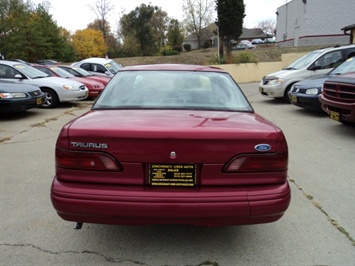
(76, 14)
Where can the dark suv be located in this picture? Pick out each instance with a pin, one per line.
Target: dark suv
(338, 98)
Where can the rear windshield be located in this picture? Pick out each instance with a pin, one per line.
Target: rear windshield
(172, 90)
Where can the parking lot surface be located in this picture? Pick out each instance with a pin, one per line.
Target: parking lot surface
(317, 229)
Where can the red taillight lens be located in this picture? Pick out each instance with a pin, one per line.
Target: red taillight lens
(257, 163)
(86, 161)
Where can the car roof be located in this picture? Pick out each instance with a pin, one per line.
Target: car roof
(98, 60)
(337, 48)
(10, 63)
(176, 67)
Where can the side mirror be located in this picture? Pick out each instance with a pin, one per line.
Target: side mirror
(18, 76)
(314, 67)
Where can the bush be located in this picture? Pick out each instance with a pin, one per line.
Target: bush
(187, 47)
(170, 52)
(214, 61)
(177, 48)
(245, 57)
(206, 44)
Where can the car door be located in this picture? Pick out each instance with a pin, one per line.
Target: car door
(99, 69)
(8, 73)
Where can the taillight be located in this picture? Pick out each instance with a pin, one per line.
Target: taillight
(96, 161)
(268, 162)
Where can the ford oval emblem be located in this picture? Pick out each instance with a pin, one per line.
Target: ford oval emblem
(262, 147)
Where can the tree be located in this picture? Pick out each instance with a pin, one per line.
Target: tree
(29, 32)
(137, 27)
(102, 9)
(268, 26)
(230, 15)
(198, 15)
(159, 23)
(175, 35)
(88, 43)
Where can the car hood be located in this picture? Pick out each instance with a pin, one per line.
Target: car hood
(280, 74)
(135, 135)
(55, 81)
(13, 87)
(87, 81)
(313, 82)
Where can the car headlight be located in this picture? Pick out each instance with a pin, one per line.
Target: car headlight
(312, 91)
(10, 95)
(276, 81)
(70, 88)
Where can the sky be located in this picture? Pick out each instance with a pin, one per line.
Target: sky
(76, 14)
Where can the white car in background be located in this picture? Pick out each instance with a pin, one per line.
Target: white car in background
(99, 66)
(56, 89)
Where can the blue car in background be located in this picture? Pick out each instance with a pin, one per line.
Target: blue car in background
(305, 93)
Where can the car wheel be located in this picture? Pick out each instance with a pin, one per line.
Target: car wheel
(286, 98)
(51, 99)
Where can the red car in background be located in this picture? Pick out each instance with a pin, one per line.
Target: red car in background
(171, 144)
(80, 72)
(93, 86)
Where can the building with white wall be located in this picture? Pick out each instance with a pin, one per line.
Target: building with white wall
(314, 22)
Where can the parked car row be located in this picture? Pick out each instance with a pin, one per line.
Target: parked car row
(320, 80)
(56, 82)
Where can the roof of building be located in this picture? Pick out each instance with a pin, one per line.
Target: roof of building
(350, 27)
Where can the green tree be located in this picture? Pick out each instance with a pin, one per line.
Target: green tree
(29, 32)
(13, 26)
(175, 33)
(137, 25)
(230, 15)
(159, 23)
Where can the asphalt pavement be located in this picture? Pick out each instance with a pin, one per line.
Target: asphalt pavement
(317, 229)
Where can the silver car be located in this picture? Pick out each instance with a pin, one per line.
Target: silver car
(99, 66)
(56, 89)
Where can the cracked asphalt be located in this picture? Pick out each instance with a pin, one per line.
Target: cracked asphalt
(317, 229)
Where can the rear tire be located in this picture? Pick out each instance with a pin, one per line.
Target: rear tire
(51, 99)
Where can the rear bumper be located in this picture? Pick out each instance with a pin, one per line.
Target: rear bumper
(130, 205)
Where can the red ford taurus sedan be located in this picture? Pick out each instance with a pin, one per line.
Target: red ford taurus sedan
(171, 144)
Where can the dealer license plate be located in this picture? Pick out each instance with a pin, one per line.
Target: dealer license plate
(173, 175)
(39, 101)
(334, 116)
(294, 98)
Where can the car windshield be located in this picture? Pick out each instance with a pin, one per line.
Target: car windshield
(113, 66)
(347, 66)
(304, 60)
(183, 90)
(62, 73)
(82, 72)
(29, 71)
